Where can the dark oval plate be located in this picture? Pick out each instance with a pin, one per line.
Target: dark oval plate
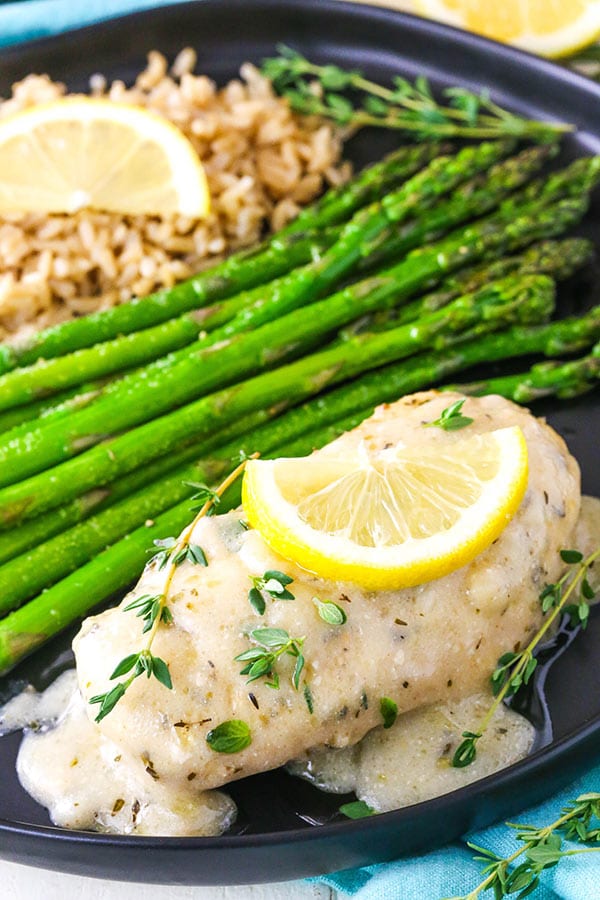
(286, 828)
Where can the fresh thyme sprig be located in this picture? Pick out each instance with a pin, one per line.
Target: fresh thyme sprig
(203, 495)
(190, 553)
(542, 848)
(153, 609)
(515, 669)
(272, 583)
(261, 660)
(451, 418)
(409, 107)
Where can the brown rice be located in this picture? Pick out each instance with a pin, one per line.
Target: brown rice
(262, 162)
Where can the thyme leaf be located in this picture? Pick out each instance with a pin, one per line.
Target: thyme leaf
(261, 660)
(330, 612)
(451, 418)
(271, 583)
(229, 737)
(389, 711)
(357, 809)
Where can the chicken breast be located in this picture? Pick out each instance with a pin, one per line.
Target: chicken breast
(435, 643)
(416, 646)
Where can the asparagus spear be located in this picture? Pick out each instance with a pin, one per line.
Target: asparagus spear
(243, 270)
(74, 396)
(18, 540)
(530, 297)
(547, 379)
(179, 379)
(339, 203)
(288, 292)
(471, 200)
(56, 557)
(559, 259)
(24, 631)
(138, 397)
(479, 195)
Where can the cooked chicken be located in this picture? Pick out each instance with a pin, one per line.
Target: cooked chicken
(434, 643)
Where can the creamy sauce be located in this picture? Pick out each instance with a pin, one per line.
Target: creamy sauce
(147, 768)
(411, 761)
(86, 783)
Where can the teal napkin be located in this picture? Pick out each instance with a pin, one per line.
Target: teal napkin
(23, 21)
(449, 871)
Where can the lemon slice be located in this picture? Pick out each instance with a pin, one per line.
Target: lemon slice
(391, 519)
(83, 152)
(547, 27)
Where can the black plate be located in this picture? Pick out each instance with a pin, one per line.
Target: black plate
(277, 837)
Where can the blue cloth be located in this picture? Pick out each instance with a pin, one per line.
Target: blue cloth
(23, 21)
(451, 870)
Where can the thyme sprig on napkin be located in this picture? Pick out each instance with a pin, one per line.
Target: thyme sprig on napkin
(542, 848)
(350, 99)
(154, 610)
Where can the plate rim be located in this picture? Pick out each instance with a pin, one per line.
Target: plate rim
(587, 734)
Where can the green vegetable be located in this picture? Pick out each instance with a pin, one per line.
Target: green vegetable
(330, 612)
(451, 418)
(232, 736)
(196, 372)
(389, 711)
(560, 379)
(406, 106)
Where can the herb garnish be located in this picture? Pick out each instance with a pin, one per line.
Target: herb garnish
(389, 711)
(204, 494)
(330, 612)
(358, 809)
(409, 107)
(169, 554)
(274, 584)
(308, 698)
(154, 611)
(262, 659)
(515, 669)
(451, 418)
(542, 849)
(229, 737)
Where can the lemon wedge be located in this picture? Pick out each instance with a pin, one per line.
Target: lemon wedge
(81, 152)
(547, 27)
(390, 519)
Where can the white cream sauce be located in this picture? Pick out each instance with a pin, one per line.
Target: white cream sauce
(147, 767)
(84, 781)
(411, 761)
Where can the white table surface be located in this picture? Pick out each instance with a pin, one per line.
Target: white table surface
(24, 883)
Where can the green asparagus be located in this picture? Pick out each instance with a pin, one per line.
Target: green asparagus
(547, 379)
(18, 540)
(532, 296)
(139, 397)
(559, 259)
(288, 292)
